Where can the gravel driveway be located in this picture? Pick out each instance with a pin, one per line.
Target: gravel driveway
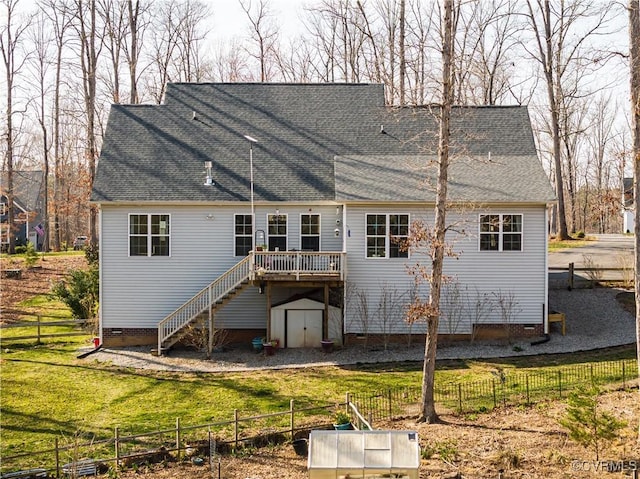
(594, 320)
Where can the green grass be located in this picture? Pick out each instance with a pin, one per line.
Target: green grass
(570, 243)
(47, 392)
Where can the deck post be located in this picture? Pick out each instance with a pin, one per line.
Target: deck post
(325, 321)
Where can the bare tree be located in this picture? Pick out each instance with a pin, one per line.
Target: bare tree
(561, 48)
(263, 31)
(634, 44)
(41, 39)
(435, 237)
(11, 37)
(60, 19)
(90, 46)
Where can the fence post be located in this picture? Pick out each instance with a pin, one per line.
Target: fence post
(495, 399)
(291, 421)
(116, 443)
(624, 379)
(570, 276)
(460, 398)
(390, 406)
(591, 373)
(235, 427)
(38, 321)
(560, 383)
(528, 400)
(57, 459)
(347, 400)
(178, 441)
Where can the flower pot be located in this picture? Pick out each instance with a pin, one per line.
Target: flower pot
(327, 345)
(257, 344)
(301, 447)
(268, 349)
(342, 427)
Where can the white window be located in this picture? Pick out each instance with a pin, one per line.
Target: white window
(243, 234)
(310, 232)
(500, 232)
(149, 235)
(277, 232)
(386, 235)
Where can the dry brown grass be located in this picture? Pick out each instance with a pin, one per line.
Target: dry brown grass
(521, 442)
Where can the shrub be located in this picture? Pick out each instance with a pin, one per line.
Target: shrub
(586, 423)
(79, 291)
(580, 235)
(92, 253)
(30, 255)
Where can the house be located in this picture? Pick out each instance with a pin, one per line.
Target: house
(628, 206)
(229, 201)
(28, 203)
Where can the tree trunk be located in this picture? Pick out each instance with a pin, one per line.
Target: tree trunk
(428, 412)
(634, 44)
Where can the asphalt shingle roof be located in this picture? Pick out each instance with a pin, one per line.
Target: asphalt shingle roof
(312, 141)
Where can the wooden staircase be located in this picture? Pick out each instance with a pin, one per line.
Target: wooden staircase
(203, 304)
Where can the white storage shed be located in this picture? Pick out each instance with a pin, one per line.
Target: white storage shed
(359, 454)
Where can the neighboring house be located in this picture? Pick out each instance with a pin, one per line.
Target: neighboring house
(333, 178)
(28, 202)
(629, 209)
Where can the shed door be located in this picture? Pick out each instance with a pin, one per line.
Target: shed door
(304, 328)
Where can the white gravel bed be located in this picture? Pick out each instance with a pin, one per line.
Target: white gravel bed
(594, 320)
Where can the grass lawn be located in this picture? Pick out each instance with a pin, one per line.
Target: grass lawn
(570, 243)
(47, 392)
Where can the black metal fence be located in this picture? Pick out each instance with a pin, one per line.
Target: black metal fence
(504, 388)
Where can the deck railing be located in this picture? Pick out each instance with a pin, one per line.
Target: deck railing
(299, 263)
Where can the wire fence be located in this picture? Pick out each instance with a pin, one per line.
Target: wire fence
(68, 456)
(501, 390)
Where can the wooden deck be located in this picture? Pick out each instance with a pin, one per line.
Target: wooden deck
(298, 266)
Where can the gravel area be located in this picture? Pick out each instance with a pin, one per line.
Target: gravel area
(594, 320)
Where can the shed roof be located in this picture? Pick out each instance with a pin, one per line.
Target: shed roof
(311, 137)
(368, 450)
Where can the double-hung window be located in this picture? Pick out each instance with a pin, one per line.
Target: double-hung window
(149, 235)
(501, 232)
(243, 234)
(310, 232)
(386, 235)
(277, 231)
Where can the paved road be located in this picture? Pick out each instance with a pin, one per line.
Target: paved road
(609, 251)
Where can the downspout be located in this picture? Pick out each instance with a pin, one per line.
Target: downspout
(100, 275)
(545, 307)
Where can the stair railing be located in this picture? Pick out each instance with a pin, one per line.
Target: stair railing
(202, 300)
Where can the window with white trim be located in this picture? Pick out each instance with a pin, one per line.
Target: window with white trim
(3, 209)
(277, 232)
(385, 234)
(243, 234)
(501, 232)
(149, 235)
(310, 232)
(399, 231)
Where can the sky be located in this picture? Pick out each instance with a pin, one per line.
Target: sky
(230, 20)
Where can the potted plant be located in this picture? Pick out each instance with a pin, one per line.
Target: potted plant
(342, 421)
(268, 348)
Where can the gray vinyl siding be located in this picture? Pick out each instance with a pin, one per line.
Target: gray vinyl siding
(489, 274)
(138, 292)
